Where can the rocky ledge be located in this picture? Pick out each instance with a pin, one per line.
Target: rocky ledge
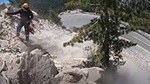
(21, 64)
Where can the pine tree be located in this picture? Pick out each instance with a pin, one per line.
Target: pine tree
(105, 31)
(141, 15)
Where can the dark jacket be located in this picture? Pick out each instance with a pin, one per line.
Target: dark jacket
(25, 14)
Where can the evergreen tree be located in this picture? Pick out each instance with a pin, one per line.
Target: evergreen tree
(140, 11)
(141, 15)
(105, 31)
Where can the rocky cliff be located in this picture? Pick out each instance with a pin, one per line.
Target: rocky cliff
(44, 60)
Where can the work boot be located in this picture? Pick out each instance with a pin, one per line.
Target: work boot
(16, 38)
(27, 37)
(26, 42)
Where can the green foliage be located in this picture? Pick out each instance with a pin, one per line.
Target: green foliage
(141, 21)
(45, 8)
(105, 31)
(54, 17)
(46, 5)
(140, 15)
(81, 4)
(18, 3)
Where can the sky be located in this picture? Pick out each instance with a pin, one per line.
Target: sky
(5, 1)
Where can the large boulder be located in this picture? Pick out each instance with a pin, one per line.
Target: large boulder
(79, 76)
(31, 68)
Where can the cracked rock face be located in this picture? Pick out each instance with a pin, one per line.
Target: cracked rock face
(31, 69)
(18, 66)
(21, 64)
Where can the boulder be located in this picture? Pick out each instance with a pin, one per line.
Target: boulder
(41, 69)
(79, 76)
(71, 76)
(31, 68)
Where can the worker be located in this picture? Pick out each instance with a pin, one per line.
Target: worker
(26, 16)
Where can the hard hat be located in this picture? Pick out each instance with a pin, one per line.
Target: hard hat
(25, 5)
